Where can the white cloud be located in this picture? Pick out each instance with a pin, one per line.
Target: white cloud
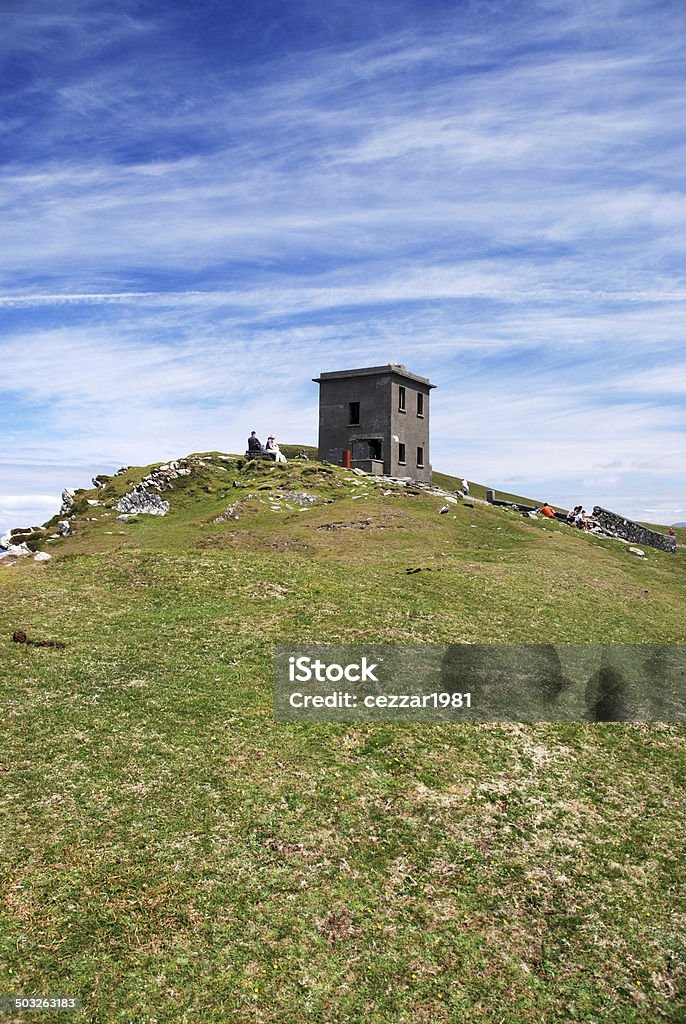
(494, 197)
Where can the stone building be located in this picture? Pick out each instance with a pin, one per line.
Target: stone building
(380, 416)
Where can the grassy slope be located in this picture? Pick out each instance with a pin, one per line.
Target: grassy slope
(174, 855)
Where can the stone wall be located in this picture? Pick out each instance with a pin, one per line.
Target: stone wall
(618, 526)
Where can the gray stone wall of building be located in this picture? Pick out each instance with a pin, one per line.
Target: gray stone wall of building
(411, 430)
(336, 433)
(618, 526)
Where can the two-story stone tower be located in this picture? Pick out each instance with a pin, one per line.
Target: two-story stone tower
(380, 415)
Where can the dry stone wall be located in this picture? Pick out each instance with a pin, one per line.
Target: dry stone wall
(626, 529)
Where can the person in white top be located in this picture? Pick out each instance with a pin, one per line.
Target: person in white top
(272, 448)
(465, 487)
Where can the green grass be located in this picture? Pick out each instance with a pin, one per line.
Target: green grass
(172, 854)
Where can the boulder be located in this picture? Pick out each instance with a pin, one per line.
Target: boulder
(42, 556)
(63, 527)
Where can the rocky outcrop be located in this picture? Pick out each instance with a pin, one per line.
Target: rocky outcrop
(18, 540)
(18, 535)
(161, 477)
(68, 496)
(141, 501)
(625, 529)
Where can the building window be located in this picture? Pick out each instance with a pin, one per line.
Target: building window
(353, 414)
(401, 399)
(420, 458)
(401, 454)
(420, 404)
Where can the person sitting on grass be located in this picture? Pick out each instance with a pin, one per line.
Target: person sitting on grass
(581, 520)
(572, 514)
(254, 444)
(547, 510)
(272, 448)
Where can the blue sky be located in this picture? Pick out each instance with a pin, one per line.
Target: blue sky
(205, 205)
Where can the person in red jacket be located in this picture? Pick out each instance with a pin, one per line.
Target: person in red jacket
(547, 510)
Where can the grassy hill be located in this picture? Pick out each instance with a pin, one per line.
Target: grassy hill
(173, 854)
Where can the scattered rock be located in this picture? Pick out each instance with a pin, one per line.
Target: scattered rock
(637, 551)
(230, 513)
(63, 528)
(140, 501)
(101, 480)
(442, 511)
(299, 497)
(42, 556)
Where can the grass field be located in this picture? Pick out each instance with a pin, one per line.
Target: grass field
(171, 854)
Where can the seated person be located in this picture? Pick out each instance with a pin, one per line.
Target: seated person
(254, 444)
(573, 513)
(581, 520)
(272, 448)
(547, 510)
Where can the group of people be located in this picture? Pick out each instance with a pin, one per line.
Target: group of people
(577, 517)
(255, 447)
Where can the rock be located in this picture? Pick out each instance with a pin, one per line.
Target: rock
(17, 535)
(230, 513)
(19, 549)
(42, 556)
(140, 501)
(68, 496)
(637, 551)
(299, 497)
(101, 480)
(63, 528)
(442, 511)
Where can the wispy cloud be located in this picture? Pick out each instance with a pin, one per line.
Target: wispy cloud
(492, 194)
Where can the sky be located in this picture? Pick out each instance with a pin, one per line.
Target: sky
(205, 205)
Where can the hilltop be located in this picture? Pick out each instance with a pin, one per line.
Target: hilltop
(177, 855)
(503, 577)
